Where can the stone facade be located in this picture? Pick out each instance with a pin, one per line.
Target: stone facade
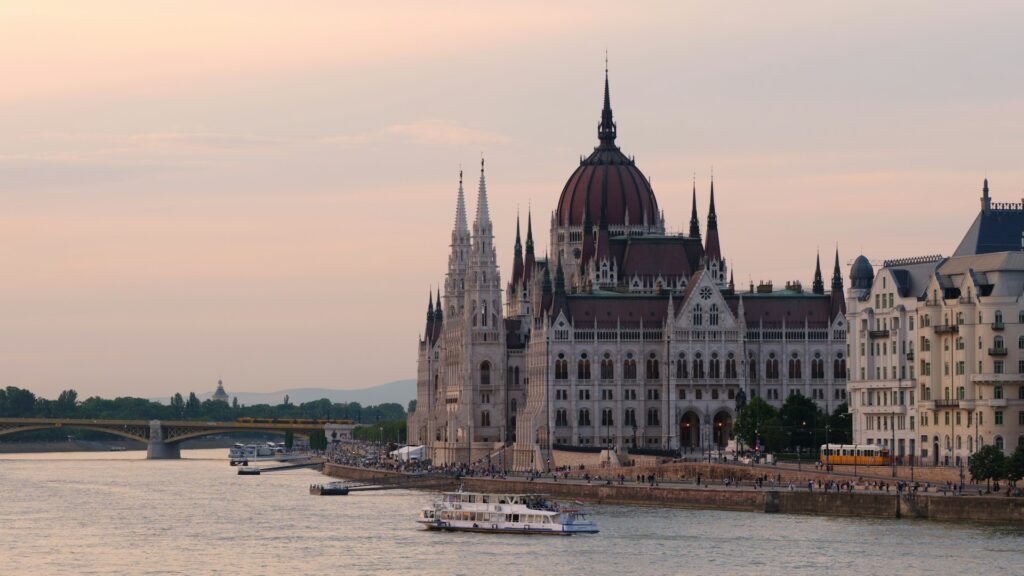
(624, 336)
(937, 346)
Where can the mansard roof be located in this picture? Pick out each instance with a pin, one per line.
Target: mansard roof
(994, 230)
(783, 306)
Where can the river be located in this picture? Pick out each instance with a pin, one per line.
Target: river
(116, 513)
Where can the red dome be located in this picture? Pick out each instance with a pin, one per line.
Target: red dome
(610, 174)
(607, 176)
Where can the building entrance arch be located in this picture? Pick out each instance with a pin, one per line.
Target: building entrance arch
(721, 429)
(689, 431)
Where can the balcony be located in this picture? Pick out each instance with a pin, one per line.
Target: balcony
(910, 355)
(947, 403)
(878, 333)
(946, 329)
(997, 378)
(998, 325)
(997, 351)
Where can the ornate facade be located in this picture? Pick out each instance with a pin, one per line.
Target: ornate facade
(623, 336)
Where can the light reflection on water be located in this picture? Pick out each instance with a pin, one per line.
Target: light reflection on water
(115, 513)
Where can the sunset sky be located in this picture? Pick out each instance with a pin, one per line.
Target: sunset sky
(264, 191)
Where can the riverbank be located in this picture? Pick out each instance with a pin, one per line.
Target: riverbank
(863, 503)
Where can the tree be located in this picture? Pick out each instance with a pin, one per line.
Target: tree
(1014, 466)
(192, 405)
(67, 402)
(798, 415)
(752, 421)
(178, 405)
(988, 464)
(841, 425)
(20, 403)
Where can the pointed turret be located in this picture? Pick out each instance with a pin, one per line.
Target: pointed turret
(517, 257)
(429, 331)
(986, 201)
(559, 278)
(712, 249)
(438, 319)
(838, 300)
(458, 259)
(819, 285)
(606, 130)
(482, 223)
(694, 221)
(531, 260)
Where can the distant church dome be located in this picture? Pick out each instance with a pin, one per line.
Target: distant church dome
(220, 394)
(862, 273)
(610, 175)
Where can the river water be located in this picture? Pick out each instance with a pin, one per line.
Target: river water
(116, 513)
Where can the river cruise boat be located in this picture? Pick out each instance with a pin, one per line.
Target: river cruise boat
(265, 452)
(504, 513)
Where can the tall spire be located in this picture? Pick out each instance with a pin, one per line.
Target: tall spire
(837, 275)
(461, 227)
(559, 278)
(606, 130)
(694, 221)
(483, 212)
(438, 315)
(531, 260)
(986, 201)
(712, 248)
(819, 285)
(517, 257)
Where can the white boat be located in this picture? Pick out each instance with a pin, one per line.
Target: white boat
(268, 451)
(504, 513)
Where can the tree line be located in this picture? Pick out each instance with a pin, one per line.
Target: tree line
(22, 403)
(989, 463)
(798, 424)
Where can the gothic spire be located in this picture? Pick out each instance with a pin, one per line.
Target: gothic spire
(430, 308)
(694, 221)
(559, 278)
(438, 315)
(712, 248)
(606, 130)
(837, 275)
(461, 227)
(483, 212)
(986, 201)
(530, 262)
(712, 217)
(517, 257)
(819, 285)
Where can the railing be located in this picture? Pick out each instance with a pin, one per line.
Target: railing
(998, 325)
(946, 329)
(947, 403)
(910, 355)
(878, 333)
(997, 351)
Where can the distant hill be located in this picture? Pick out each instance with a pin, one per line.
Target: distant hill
(399, 391)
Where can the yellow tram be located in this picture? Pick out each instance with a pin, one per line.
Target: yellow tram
(859, 454)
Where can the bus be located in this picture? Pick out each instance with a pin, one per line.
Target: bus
(855, 454)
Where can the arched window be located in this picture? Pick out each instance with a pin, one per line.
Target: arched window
(771, 367)
(998, 343)
(653, 368)
(698, 366)
(839, 367)
(961, 393)
(794, 367)
(583, 367)
(698, 315)
(817, 367)
(561, 367)
(629, 367)
(713, 315)
(999, 442)
(607, 419)
(730, 366)
(485, 418)
(561, 418)
(681, 368)
(959, 445)
(485, 373)
(653, 418)
(607, 367)
(752, 363)
(584, 419)
(714, 368)
(483, 314)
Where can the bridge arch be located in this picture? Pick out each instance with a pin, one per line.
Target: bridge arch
(138, 434)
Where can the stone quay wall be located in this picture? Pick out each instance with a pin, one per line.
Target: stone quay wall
(988, 509)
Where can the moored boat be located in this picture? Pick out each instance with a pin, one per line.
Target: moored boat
(504, 513)
(329, 489)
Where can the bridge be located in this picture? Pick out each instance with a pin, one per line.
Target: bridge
(162, 438)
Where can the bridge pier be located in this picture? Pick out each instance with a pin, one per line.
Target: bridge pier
(158, 449)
